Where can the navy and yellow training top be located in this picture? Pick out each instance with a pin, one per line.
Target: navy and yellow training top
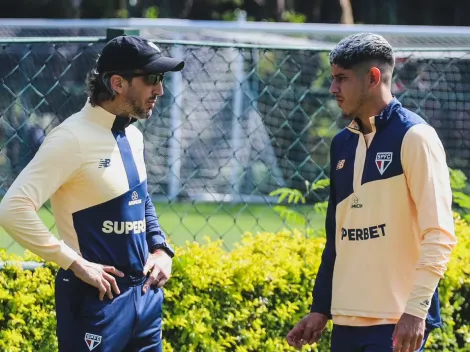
(92, 168)
(390, 227)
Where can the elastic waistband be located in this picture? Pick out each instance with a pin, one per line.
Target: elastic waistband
(130, 280)
(127, 280)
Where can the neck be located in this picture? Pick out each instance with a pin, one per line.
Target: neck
(374, 108)
(112, 107)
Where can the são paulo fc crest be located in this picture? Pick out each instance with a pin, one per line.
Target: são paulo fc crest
(92, 341)
(383, 161)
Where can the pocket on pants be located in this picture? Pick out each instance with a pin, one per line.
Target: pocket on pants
(92, 306)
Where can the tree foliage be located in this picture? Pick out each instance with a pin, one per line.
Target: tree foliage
(409, 12)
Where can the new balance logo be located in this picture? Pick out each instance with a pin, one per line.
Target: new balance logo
(92, 341)
(104, 163)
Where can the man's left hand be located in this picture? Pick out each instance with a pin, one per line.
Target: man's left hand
(159, 264)
(409, 333)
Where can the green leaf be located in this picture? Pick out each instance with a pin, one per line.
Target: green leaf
(288, 214)
(461, 199)
(321, 184)
(458, 180)
(292, 195)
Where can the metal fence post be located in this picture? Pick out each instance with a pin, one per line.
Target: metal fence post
(237, 114)
(174, 159)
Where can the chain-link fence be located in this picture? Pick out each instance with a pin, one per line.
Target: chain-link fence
(237, 123)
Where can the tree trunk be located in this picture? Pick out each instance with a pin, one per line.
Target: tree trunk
(188, 5)
(347, 13)
(280, 9)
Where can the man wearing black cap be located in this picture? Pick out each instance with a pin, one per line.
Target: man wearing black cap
(113, 256)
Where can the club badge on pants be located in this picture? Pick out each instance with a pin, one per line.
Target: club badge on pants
(92, 341)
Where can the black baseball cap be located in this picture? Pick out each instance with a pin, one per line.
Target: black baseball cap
(130, 52)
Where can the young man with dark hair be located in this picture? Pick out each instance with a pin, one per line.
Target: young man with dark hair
(92, 168)
(390, 228)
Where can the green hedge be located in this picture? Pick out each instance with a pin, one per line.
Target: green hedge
(243, 300)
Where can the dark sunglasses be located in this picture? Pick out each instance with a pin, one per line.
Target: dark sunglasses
(150, 78)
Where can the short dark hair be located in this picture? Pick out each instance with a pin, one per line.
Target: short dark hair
(361, 48)
(97, 90)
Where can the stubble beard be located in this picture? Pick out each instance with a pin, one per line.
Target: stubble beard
(140, 113)
(136, 110)
(355, 112)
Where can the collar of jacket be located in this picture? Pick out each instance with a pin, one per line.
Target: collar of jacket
(121, 122)
(378, 121)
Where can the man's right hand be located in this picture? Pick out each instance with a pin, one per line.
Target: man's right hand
(308, 330)
(97, 275)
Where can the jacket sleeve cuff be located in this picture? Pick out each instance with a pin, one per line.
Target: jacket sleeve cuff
(416, 312)
(157, 241)
(420, 298)
(65, 257)
(317, 308)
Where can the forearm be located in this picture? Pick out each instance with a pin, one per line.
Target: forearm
(156, 238)
(20, 220)
(322, 290)
(323, 287)
(436, 250)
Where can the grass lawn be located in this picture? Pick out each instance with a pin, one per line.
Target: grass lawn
(193, 221)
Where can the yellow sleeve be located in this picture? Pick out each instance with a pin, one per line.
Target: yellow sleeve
(56, 161)
(427, 175)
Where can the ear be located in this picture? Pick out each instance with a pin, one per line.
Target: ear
(117, 83)
(375, 76)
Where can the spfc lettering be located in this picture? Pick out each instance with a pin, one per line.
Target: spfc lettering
(92, 341)
(383, 161)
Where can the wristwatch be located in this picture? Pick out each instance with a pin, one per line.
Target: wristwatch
(164, 246)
